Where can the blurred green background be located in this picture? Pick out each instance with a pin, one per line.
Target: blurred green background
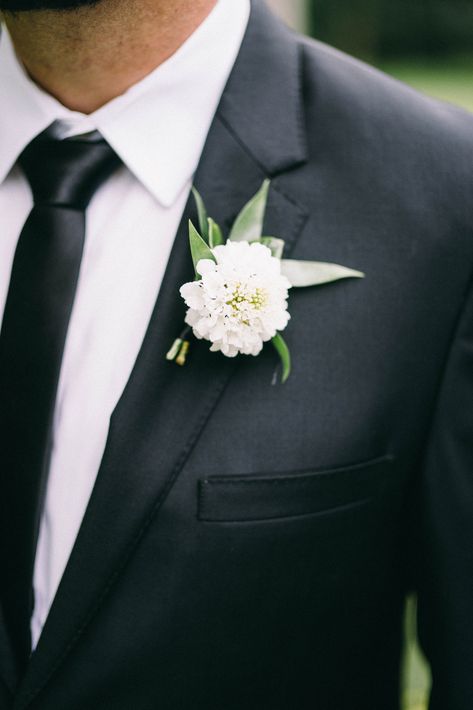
(426, 43)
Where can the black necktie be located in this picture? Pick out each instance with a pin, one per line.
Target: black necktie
(63, 176)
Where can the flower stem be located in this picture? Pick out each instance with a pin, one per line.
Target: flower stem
(180, 348)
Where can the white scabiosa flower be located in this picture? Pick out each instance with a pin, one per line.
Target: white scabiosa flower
(240, 301)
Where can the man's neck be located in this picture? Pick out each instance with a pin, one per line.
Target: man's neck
(87, 57)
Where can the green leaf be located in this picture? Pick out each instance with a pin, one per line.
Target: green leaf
(275, 245)
(248, 226)
(202, 213)
(315, 273)
(215, 234)
(199, 248)
(284, 355)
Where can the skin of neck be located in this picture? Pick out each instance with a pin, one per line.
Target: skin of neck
(87, 56)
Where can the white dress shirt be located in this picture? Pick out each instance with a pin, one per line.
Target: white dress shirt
(158, 128)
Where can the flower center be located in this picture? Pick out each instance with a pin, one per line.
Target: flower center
(241, 299)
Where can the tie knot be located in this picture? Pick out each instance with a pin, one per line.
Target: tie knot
(67, 172)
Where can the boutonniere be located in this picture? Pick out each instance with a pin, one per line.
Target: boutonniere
(238, 300)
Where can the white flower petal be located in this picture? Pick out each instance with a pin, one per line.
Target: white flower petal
(204, 266)
(241, 300)
(193, 295)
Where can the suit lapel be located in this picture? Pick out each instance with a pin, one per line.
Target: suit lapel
(164, 408)
(7, 663)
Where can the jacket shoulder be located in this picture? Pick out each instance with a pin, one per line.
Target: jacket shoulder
(342, 78)
(381, 123)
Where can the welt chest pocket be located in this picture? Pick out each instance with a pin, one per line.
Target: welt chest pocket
(265, 497)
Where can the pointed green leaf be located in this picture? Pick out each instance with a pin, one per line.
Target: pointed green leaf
(215, 234)
(284, 355)
(199, 248)
(315, 273)
(248, 225)
(275, 245)
(202, 213)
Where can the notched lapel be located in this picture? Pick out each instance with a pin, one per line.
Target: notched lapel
(164, 408)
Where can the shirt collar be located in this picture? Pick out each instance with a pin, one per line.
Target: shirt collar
(158, 127)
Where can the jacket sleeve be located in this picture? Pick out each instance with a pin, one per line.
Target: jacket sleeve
(445, 526)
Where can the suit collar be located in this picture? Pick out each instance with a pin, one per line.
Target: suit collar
(262, 103)
(164, 408)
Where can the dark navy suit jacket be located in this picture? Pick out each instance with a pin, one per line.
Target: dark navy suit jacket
(249, 546)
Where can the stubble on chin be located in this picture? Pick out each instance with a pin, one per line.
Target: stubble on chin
(14, 6)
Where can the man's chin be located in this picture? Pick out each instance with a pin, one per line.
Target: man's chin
(28, 5)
